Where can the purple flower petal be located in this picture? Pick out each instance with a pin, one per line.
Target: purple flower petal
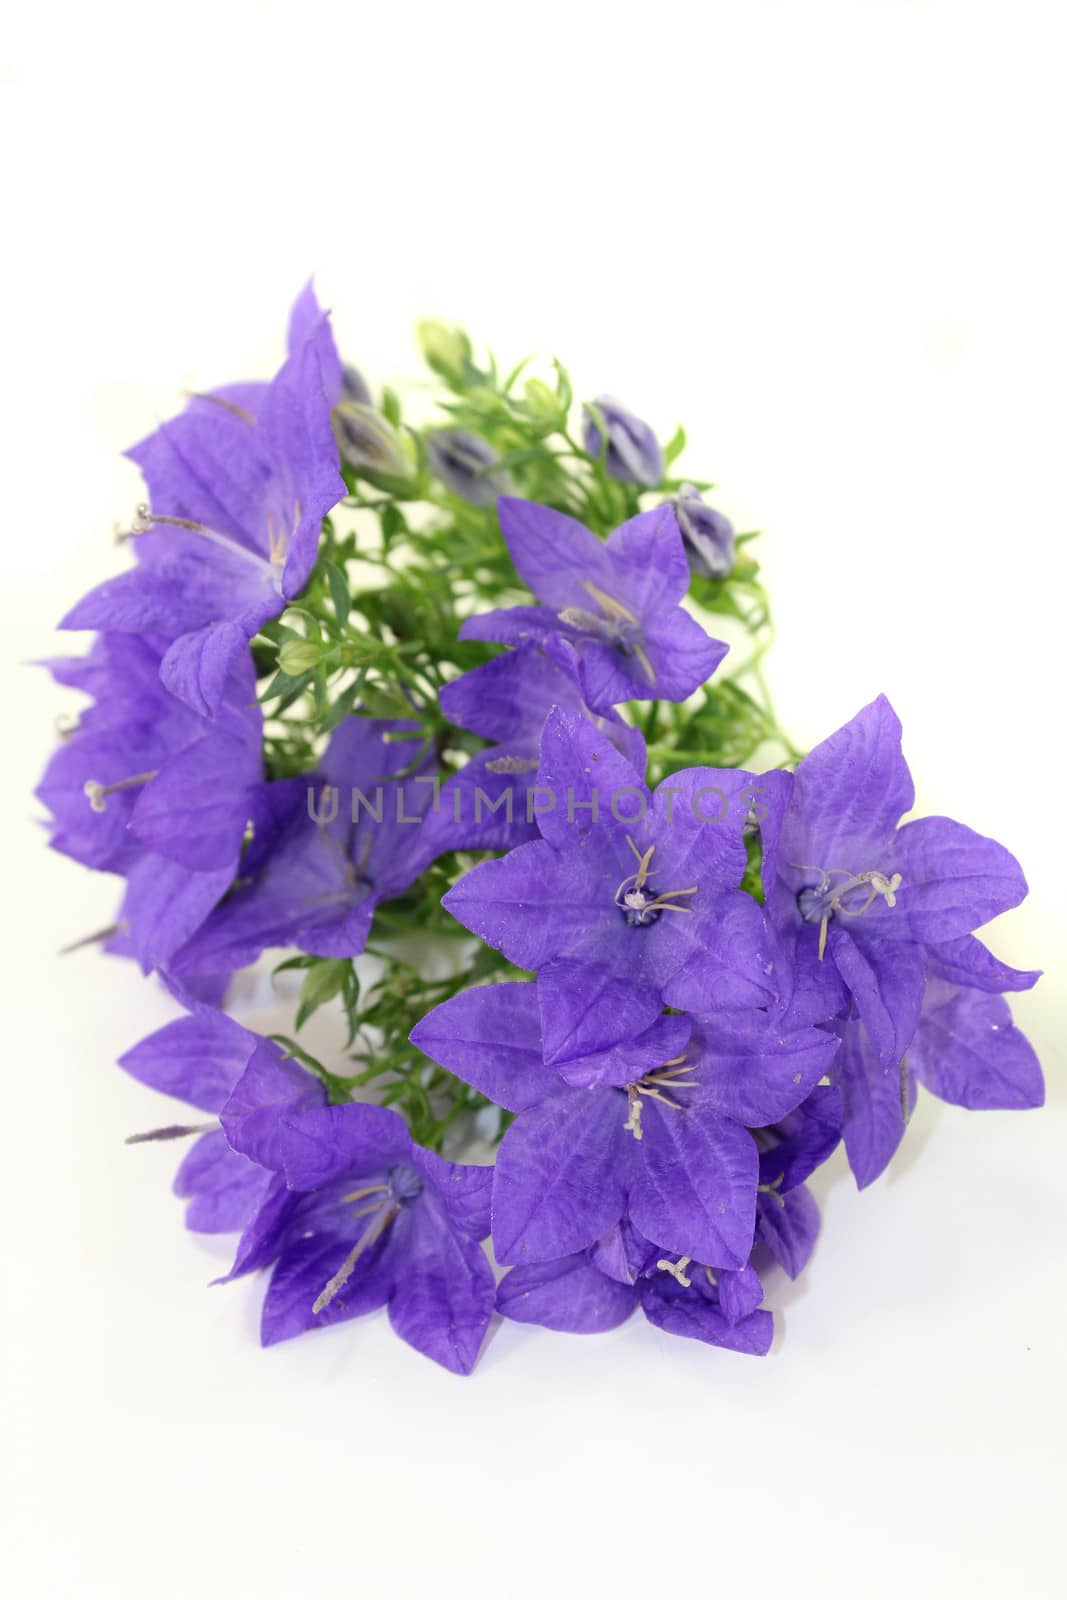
(197, 1059)
(569, 1296)
(849, 793)
(952, 881)
(443, 1295)
(272, 1089)
(223, 1188)
(693, 1317)
(969, 1052)
(752, 1071)
(694, 1185)
(320, 1146)
(560, 1176)
(966, 961)
(300, 1277)
(491, 1038)
(874, 1101)
(788, 1224)
(887, 980)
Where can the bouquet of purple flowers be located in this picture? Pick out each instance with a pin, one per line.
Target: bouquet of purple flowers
(431, 693)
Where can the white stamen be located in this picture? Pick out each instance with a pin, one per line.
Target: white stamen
(676, 1269)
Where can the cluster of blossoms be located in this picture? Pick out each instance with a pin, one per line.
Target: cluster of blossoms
(365, 679)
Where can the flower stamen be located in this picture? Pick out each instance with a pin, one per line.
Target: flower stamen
(676, 1269)
(97, 793)
(630, 896)
(370, 1236)
(819, 902)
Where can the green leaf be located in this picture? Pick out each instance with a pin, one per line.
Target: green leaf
(674, 446)
(338, 591)
(324, 981)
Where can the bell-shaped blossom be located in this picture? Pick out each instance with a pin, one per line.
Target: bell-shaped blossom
(625, 895)
(966, 1050)
(616, 603)
(649, 1135)
(358, 1217)
(238, 486)
(332, 846)
(868, 897)
(146, 787)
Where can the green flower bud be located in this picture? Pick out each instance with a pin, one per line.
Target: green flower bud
(447, 350)
(297, 656)
(544, 403)
(369, 442)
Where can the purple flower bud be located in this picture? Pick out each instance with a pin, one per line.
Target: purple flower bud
(461, 460)
(708, 535)
(634, 453)
(354, 386)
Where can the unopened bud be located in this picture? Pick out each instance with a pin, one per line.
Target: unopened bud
(297, 656)
(633, 454)
(708, 535)
(464, 461)
(369, 441)
(544, 403)
(447, 350)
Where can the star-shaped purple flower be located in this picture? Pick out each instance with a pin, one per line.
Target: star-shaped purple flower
(870, 897)
(358, 1217)
(615, 603)
(649, 1131)
(966, 1050)
(238, 486)
(146, 787)
(872, 905)
(332, 845)
(627, 899)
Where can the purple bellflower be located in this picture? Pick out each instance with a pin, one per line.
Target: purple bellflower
(333, 846)
(647, 1132)
(357, 1217)
(238, 486)
(966, 1050)
(627, 900)
(145, 787)
(614, 603)
(586, 1292)
(486, 805)
(872, 902)
(200, 1059)
(598, 1288)
(633, 452)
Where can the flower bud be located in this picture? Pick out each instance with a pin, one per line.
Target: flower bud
(368, 440)
(708, 535)
(297, 656)
(447, 350)
(544, 403)
(461, 460)
(354, 385)
(634, 453)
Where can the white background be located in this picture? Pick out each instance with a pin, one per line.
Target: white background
(828, 238)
